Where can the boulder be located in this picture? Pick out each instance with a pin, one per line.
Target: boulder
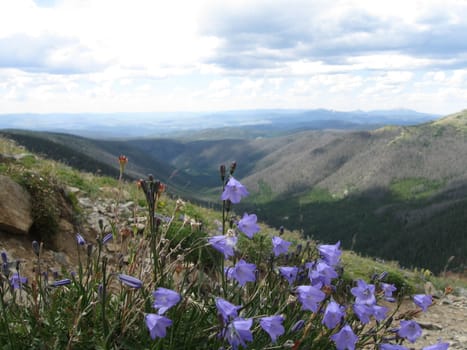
(15, 207)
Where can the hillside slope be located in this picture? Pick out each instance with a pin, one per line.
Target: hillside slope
(395, 192)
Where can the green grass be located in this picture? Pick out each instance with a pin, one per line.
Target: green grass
(414, 188)
(317, 195)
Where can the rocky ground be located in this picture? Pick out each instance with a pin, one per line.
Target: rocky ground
(446, 319)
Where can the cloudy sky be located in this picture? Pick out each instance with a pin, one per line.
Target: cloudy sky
(205, 55)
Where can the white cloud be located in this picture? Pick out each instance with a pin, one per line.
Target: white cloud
(145, 55)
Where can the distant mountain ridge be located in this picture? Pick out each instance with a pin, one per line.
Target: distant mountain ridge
(182, 124)
(397, 192)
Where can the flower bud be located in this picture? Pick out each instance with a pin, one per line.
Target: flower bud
(36, 247)
(233, 166)
(63, 282)
(297, 326)
(101, 224)
(130, 281)
(107, 238)
(222, 172)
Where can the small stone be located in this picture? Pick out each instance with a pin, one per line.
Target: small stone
(85, 202)
(61, 258)
(112, 247)
(430, 326)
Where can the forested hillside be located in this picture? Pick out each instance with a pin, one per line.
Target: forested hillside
(398, 192)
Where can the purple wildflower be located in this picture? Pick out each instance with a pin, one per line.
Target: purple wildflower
(388, 289)
(330, 253)
(322, 272)
(248, 225)
(17, 281)
(4, 257)
(238, 332)
(130, 281)
(333, 314)
(60, 283)
(410, 330)
(157, 325)
(364, 293)
(280, 246)
(392, 347)
(345, 339)
(289, 273)
(437, 346)
(379, 312)
(226, 309)
(243, 272)
(224, 244)
(273, 326)
(80, 239)
(310, 297)
(423, 301)
(363, 312)
(164, 299)
(234, 191)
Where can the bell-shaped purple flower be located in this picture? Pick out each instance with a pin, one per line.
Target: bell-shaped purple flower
(130, 281)
(273, 326)
(243, 272)
(289, 273)
(330, 253)
(234, 191)
(410, 330)
(164, 299)
(345, 339)
(248, 225)
(17, 281)
(157, 325)
(279, 246)
(379, 312)
(224, 244)
(238, 332)
(388, 289)
(364, 293)
(333, 315)
(310, 297)
(392, 347)
(363, 312)
(322, 272)
(423, 301)
(226, 310)
(437, 346)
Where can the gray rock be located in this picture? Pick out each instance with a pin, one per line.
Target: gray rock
(15, 207)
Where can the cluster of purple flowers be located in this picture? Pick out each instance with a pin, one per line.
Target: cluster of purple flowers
(237, 330)
(157, 324)
(411, 330)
